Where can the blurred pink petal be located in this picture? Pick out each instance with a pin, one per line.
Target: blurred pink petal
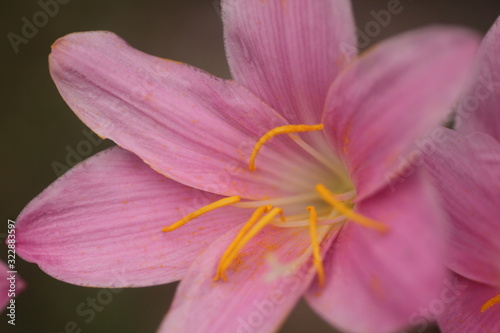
(463, 315)
(465, 166)
(288, 53)
(376, 281)
(105, 230)
(466, 169)
(393, 95)
(479, 110)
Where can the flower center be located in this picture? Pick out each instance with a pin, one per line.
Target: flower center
(319, 209)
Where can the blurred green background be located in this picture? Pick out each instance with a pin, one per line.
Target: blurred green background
(37, 126)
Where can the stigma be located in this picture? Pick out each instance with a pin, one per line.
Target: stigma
(287, 129)
(317, 211)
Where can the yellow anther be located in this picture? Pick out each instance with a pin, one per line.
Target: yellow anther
(287, 129)
(246, 227)
(214, 205)
(490, 303)
(226, 261)
(329, 197)
(317, 261)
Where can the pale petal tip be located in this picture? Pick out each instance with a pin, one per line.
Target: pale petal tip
(85, 36)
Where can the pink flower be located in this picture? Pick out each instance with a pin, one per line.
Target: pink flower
(203, 158)
(466, 166)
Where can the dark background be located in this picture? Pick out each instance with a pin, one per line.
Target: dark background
(37, 126)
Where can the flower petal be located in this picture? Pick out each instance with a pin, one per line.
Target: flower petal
(393, 95)
(466, 170)
(251, 299)
(100, 224)
(462, 313)
(184, 123)
(375, 281)
(480, 108)
(289, 52)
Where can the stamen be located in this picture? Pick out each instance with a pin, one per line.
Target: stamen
(313, 220)
(287, 129)
(495, 300)
(214, 205)
(246, 227)
(226, 261)
(347, 212)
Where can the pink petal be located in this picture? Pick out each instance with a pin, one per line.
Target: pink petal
(376, 281)
(249, 300)
(100, 224)
(7, 293)
(466, 169)
(184, 123)
(480, 108)
(393, 95)
(461, 312)
(289, 52)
